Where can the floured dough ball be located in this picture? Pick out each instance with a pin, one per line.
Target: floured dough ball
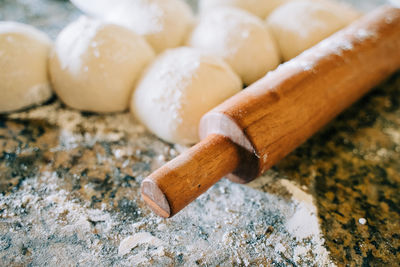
(95, 65)
(240, 38)
(23, 66)
(96, 8)
(395, 3)
(164, 23)
(179, 87)
(299, 25)
(260, 8)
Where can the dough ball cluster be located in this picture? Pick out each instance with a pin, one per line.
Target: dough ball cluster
(238, 37)
(260, 8)
(179, 87)
(299, 25)
(108, 63)
(23, 66)
(163, 23)
(95, 65)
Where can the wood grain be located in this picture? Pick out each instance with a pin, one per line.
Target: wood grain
(180, 181)
(256, 128)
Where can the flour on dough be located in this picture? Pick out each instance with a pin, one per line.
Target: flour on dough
(179, 87)
(95, 65)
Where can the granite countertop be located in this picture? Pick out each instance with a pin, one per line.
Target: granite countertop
(70, 189)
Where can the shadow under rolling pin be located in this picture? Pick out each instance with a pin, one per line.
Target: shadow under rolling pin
(253, 130)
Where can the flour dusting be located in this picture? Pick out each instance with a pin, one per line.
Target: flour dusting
(39, 93)
(143, 17)
(133, 241)
(395, 2)
(73, 42)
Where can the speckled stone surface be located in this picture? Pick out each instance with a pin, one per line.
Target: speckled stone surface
(69, 189)
(352, 169)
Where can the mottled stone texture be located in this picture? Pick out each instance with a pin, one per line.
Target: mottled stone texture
(352, 168)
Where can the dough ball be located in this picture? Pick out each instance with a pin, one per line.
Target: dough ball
(240, 38)
(23, 66)
(395, 2)
(95, 65)
(164, 23)
(260, 8)
(97, 8)
(299, 25)
(179, 87)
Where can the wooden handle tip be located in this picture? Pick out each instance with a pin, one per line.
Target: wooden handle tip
(155, 198)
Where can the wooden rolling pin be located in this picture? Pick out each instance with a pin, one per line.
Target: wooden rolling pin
(256, 128)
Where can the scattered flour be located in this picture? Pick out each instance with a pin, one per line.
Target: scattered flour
(133, 241)
(57, 216)
(363, 35)
(362, 221)
(230, 224)
(304, 222)
(298, 194)
(39, 92)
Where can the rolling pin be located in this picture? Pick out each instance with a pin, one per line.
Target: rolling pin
(253, 130)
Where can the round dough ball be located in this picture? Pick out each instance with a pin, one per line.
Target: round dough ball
(95, 65)
(23, 66)
(395, 2)
(240, 38)
(260, 8)
(179, 87)
(164, 23)
(97, 8)
(299, 25)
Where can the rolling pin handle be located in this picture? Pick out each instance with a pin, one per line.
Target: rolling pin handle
(182, 180)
